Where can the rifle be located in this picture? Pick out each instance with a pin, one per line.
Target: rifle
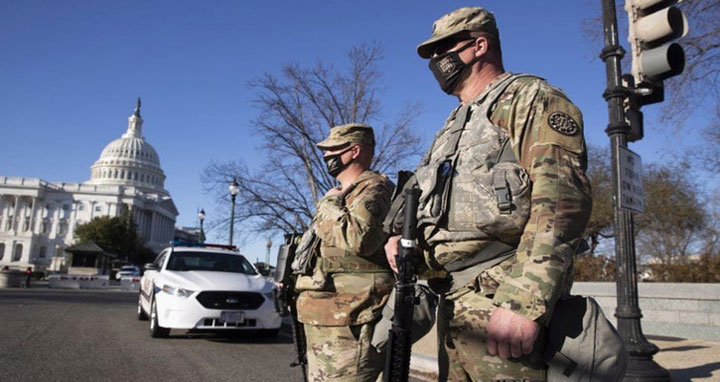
(397, 361)
(286, 298)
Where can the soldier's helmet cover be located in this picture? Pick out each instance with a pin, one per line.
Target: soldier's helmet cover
(467, 19)
(349, 133)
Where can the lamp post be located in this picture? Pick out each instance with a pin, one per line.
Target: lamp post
(234, 190)
(268, 245)
(201, 216)
(641, 366)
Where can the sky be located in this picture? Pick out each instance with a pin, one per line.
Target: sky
(70, 73)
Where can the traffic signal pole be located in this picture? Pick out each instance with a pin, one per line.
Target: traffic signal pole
(641, 367)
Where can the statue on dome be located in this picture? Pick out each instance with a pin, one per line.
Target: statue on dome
(137, 108)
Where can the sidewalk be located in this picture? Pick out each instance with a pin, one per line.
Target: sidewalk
(687, 360)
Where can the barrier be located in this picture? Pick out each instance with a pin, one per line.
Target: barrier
(131, 283)
(71, 281)
(12, 279)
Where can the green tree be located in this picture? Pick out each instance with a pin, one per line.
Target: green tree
(601, 221)
(117, 235)
(674, 223)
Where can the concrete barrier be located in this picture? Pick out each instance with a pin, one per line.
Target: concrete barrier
(71, 281)
(12, 279)
(131, 283)
(683, 310)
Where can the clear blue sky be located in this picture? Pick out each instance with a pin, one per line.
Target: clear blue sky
(70, 72)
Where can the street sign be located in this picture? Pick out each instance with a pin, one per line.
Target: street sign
(631, 187)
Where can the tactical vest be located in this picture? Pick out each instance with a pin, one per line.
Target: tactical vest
(313, 256)
(472, 186)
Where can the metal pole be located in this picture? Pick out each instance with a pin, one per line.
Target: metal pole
(641, 367)
(232, 218)
(202, 233)
(267, 254)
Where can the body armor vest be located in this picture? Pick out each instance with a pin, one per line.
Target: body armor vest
(472, 187)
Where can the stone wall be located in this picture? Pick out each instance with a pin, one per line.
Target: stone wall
(684, 310)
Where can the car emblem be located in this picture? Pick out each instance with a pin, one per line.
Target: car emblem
(232, 301)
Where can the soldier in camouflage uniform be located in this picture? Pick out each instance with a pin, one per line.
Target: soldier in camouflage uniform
(503, 206)
(341, 301)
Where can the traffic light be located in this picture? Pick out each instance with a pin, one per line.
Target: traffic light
(652, 25)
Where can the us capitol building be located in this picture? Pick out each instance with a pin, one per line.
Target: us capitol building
(38, 218)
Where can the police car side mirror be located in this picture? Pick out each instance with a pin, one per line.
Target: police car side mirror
(151, 267)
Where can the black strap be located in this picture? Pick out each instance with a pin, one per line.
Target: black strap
(489, 252)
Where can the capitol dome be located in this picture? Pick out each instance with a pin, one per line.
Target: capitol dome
(129, 160)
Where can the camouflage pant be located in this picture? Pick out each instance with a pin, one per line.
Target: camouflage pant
(342, 353)
(463, 316)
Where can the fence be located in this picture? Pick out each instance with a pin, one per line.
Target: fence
(71, 281)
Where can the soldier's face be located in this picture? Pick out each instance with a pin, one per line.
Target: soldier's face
(337, 159)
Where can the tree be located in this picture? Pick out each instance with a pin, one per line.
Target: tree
(296, 110)
(601, 224)
(114, 234)
(674, 222)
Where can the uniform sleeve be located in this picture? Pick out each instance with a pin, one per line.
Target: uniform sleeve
(547, 134)
(357, 227)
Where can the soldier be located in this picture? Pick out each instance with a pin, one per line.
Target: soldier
(503, 206)
(351, 281)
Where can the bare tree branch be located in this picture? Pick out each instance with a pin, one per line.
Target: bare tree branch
(294, 111)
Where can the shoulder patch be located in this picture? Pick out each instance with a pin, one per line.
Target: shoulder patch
(373, 207)
(563, 123)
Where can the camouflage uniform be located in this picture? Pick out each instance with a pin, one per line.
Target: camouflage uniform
(550, 207)
(342, 300)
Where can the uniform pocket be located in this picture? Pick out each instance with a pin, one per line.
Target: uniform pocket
(501, 205)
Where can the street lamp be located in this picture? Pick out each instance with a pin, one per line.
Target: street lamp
(201, 216)
(267, 255)
(234, 190)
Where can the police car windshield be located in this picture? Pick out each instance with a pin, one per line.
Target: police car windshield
(208, 261)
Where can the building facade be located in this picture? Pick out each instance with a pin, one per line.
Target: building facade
(38, 218)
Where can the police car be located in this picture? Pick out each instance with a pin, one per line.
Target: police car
(205, 287)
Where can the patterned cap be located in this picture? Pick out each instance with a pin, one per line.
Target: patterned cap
(468, 19)
(350, 133)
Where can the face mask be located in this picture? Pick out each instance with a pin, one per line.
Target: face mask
(334, 163)
(448, 68)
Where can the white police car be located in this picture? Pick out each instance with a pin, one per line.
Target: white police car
(209, 287)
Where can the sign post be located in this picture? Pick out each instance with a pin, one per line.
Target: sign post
(631, 187)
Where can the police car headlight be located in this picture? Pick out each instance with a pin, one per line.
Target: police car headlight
(179, 292)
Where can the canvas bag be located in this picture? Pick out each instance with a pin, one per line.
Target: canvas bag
(423, 317)
(582, 345)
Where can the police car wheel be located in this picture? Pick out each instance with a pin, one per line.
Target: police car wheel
(156, 331)
(140, 312)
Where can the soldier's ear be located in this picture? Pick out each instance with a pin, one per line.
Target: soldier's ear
(481, 46)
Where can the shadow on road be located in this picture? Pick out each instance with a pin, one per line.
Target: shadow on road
(234, 338)
(67, 296)
(691, 373)
(684, 348)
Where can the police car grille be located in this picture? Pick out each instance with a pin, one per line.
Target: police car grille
(230, 300)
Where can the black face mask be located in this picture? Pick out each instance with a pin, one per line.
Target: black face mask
(448, 68)
(335, 165)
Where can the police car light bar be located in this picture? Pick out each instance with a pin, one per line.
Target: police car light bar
(183, 243)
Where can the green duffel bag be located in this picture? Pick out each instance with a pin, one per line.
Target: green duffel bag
(582, 345)
(423, 317)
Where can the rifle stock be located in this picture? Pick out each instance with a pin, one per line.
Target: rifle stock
(397, 361)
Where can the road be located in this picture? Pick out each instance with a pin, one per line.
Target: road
(71, 335)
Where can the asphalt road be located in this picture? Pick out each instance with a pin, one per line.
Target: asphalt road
(70, 335)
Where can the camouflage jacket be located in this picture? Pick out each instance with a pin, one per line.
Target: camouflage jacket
(546, 133)
(357, 279)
